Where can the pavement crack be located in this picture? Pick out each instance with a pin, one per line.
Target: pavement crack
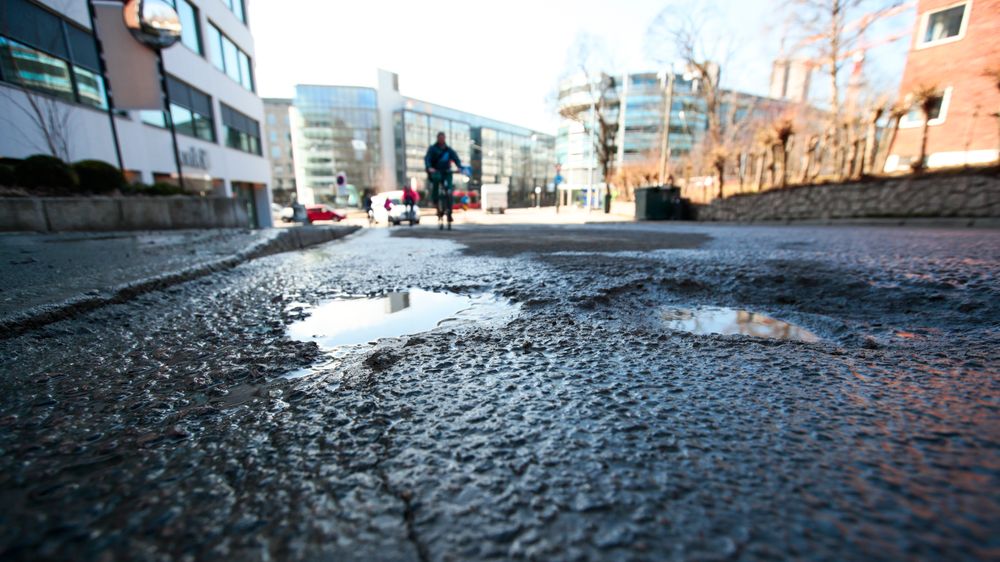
(406, 496)
(403, 495)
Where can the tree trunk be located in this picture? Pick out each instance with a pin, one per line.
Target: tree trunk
(811, 149)
(720, 171)
(922, 160)
(833, 61)
(759, 170)
(784, 165)
(852, 160)
(883, 154)
(871, 148)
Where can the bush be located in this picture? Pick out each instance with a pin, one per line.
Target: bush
(45, 171)
(161, 188)
(98, 177)
(7, 175)
(12, 162)
(157, 189)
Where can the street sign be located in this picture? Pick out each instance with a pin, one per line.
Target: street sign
(559, 179)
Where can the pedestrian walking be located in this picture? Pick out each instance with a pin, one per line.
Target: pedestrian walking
(366, 204)
(410, 198)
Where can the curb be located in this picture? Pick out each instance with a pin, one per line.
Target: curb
(280, 241)
(922, 222)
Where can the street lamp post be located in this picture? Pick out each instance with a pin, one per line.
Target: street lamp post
(590, 160)
(156, 24)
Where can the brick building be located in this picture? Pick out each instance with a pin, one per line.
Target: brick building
(954, 43)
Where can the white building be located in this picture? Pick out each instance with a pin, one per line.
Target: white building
(47, 47)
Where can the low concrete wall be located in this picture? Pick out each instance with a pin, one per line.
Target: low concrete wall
(63, 214)
(972, 195)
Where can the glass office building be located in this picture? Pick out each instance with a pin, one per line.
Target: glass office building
(378, 139)
(638, 107)
(335, 129)
(497, 152)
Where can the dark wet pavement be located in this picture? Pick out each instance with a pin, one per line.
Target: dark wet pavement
(45, 269)
(579, 428)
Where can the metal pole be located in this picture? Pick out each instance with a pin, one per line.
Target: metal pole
(107, 91)
(170, 117)
(665, 140)
(590, 161)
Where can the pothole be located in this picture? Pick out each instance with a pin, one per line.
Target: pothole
(731, 321)
(345, 322)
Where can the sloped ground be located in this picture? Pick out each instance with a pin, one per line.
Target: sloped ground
(578, 428)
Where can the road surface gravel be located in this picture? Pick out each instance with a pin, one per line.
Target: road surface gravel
(576, 428)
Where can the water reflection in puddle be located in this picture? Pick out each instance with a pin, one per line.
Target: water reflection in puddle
(352, 321)
(729, 321)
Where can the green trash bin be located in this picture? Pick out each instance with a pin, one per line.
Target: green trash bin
(651, 204)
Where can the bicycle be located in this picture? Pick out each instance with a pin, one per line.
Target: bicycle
(444, 197)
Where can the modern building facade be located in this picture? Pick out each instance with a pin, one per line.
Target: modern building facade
(638, 103)
(954, 45)
(48, 55)
(377, 138)
(335, 129)
(278, 129)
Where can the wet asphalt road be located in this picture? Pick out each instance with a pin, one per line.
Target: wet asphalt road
(577, 427)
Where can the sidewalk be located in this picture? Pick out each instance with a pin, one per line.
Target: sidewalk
(47, 277)
(620, 212)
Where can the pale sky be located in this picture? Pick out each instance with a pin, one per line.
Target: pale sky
(498, 58)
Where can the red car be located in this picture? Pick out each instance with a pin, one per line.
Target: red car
(323, 213)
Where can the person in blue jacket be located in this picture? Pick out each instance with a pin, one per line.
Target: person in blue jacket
(438, 162)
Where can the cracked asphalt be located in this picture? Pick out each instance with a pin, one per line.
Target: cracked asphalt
(576, 428)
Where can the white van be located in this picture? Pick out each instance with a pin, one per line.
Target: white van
(397, 214)
(494, 197)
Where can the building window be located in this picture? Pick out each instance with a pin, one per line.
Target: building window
(42, 52)
(229, 58)
(943, 26)
(242, 132)
(237, 7)
(36, 70)
(190, 26)
(190, 110)
(215, 48)
(90, 87)
(938, 112)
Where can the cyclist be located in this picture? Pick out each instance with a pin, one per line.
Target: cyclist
(438, 161)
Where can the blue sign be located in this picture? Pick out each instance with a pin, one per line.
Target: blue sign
(559, 179)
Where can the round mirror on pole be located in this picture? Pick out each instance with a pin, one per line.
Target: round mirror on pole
(152, 22)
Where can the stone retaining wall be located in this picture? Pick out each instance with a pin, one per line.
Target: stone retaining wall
(972, 194)
(63, 214)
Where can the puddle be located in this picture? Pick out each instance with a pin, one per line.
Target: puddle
(353, 321)
(730, 321)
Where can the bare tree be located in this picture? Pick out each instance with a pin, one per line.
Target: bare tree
(52, 117)
(783, 129)
(925, 98)
(896, 113)
(638, 174)
(824, 24)
(599, 115)
(687, 33)
(871, 136)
